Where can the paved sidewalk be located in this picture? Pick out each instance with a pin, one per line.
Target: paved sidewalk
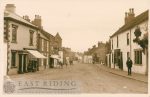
(135, 76)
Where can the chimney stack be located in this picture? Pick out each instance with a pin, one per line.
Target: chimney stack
(26, 17)
(94, 46)
(130, 11)
(10, 7)
(89, 49)
(129, 16)
(99, 43)
(37, 21)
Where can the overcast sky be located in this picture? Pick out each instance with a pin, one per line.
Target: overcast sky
(81, 23)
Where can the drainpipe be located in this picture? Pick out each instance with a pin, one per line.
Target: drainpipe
(130, 45)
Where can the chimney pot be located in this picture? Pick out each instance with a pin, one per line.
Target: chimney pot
(132, 10)
(10, 8)
(126, 14)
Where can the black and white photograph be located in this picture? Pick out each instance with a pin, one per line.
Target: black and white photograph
(75, 47)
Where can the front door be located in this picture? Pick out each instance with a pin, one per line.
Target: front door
(20, 64)
(120, 60)
(24, 63)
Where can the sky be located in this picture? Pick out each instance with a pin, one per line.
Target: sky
(80, 23)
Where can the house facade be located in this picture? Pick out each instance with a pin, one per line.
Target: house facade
(28, 44)
(68, 55)
(43, 48)
(122, 45)
(21, 38)
(55, 50)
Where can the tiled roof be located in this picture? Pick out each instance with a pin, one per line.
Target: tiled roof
(13, 16)
(137, 20)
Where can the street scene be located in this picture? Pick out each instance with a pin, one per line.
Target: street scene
(75, 44)
(93, 79)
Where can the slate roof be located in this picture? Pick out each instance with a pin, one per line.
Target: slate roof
(17, 18)
(137, 20)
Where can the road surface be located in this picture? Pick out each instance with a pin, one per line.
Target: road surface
(91, 77)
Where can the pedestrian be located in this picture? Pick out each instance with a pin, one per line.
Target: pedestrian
(129, 65)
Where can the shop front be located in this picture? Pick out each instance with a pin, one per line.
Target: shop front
(33, 62)
(28, 61)
(53, 61)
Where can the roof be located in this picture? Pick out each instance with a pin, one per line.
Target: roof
(17, 18)
(137, 20)
(57, 35)
(45, 33)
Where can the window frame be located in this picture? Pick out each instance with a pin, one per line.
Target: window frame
(112, 43)
(14, 33)
(117, 42)
(31, 37)
(13, 59)
(138, 57)
(128, 40)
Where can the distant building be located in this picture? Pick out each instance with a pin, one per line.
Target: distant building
(68, 55)
(56, 51)
(122, 45)
(98, 53)
(88, 59)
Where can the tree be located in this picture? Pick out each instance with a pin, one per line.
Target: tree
(143, 42)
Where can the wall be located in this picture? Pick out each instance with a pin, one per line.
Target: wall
(41, 49)
(122, 45)
(23, 39)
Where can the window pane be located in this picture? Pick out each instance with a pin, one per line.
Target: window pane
(135, 57)
(31, 37)
(140, 57)
(13, 59)
(127, 38)
(14, 33)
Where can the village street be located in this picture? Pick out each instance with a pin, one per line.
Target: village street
(91, 77)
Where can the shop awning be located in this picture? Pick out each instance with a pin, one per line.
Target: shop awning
(36, 54)
(54, 57)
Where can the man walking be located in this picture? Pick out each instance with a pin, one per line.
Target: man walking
(129, 65)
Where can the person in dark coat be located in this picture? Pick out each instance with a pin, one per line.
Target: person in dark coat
(129, 65)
